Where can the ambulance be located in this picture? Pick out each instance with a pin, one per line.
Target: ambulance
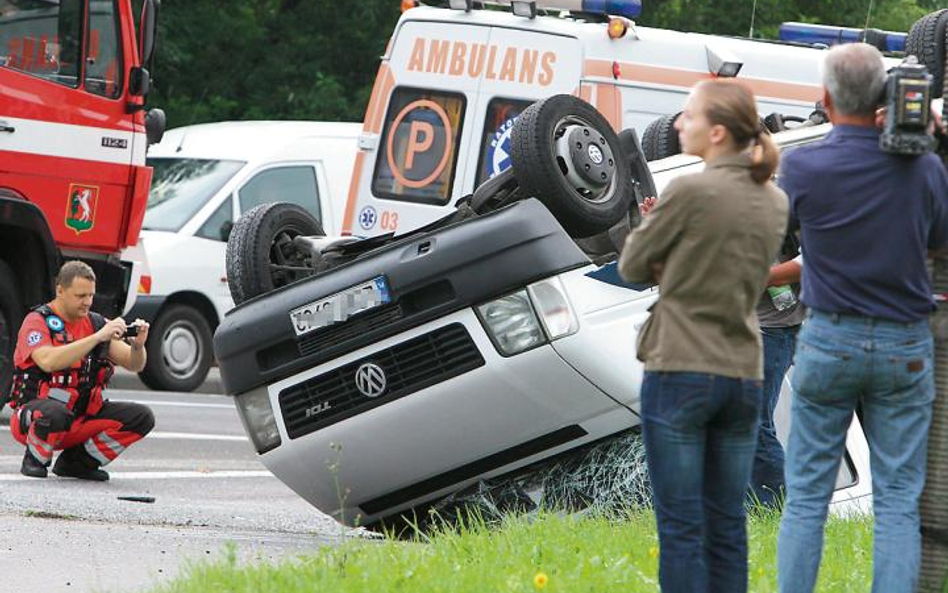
(453, 80)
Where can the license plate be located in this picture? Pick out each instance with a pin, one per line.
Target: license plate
(341, 306)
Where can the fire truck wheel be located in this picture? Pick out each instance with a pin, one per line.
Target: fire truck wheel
(660, 139)
(926, 41)
(11, 315)
(566, 154)
(179, 350)
(261, 255)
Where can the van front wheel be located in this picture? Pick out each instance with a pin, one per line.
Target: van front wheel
(566, 154)
(261, 252)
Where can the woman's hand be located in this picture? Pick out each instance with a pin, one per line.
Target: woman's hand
(646, 206)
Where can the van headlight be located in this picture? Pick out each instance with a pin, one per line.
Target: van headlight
(528, 318)
(551, 303)
(257, 417)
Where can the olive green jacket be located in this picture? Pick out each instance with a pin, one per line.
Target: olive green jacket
(717, 233)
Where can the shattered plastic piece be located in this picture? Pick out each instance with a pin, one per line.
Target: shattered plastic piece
(137, 498)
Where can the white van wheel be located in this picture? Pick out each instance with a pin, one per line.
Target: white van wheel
(926, 41)
(179, 350)
(261, 254)
(565, 153)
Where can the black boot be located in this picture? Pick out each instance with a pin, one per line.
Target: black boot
(32, 466)
(76, 463)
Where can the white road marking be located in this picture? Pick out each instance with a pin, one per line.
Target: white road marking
(196, 436)
(180, 404)
(169, 475)
(187, 436)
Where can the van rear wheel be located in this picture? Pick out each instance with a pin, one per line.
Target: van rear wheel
(261, 253)
(566, 154)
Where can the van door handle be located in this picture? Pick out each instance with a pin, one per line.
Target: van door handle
(6, 128)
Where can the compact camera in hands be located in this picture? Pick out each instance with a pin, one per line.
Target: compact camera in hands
(908, 100)
(131, 331)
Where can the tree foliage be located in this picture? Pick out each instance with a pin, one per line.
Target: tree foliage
(317, 59)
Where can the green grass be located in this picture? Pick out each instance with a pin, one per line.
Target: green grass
(576, 555)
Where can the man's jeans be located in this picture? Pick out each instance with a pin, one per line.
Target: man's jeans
(886, 367)
(767, 477)
(700, 435)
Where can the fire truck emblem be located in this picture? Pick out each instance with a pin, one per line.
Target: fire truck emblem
(80, 208)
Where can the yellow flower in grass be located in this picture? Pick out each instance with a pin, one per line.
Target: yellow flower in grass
(540, 580)
(653, 551)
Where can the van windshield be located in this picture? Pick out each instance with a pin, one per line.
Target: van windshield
(180, 187)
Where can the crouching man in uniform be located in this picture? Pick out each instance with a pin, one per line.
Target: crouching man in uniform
(65, 355)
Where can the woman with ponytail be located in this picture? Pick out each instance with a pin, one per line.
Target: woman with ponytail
(709, 243)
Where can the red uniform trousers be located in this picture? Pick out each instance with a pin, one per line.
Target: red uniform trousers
(46, 425)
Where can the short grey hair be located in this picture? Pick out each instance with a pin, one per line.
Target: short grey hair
(854, 76)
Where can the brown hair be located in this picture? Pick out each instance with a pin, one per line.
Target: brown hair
(72, 270)
(730, 103)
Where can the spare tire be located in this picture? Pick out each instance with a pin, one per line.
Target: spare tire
(261, 254)
(660, 139)
(926, 41)
(565, 153)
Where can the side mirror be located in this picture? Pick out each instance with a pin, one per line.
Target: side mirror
(226, 229)
(155, 122)
(148, 29)
(139, 81)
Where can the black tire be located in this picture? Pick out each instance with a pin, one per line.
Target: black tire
(926, 41)
(179, 350)
(11, 316)
(261, 255)
(585, 195)
(660, 139)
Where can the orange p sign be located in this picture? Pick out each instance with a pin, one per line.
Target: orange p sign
(416, 144)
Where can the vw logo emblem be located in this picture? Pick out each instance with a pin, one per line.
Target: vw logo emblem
(370, 380)
(595, 154)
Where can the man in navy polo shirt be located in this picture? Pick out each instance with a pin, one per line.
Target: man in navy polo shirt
(867, 219)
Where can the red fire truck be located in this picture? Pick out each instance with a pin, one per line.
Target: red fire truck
(73, 133)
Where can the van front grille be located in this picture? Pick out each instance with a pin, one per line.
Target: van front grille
(385, 376)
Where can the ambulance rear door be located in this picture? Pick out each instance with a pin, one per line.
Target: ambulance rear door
(414, 141)
(521, 67)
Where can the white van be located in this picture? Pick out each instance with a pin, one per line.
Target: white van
(205, 177)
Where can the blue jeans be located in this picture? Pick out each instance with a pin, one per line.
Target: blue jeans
(767, 476)
(700, 433)
(886, 368)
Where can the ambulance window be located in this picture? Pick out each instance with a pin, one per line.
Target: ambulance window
(42, 38)
(495, 143)
(419, 147)
(103, 60)
(296, 185)
(218, 226)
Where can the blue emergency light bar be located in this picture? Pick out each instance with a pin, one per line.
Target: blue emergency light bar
(630, 9)
(827, 35)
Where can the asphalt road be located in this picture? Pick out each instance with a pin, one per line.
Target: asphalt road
(65, 535)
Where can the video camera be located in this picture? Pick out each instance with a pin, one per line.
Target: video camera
(908, 100)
